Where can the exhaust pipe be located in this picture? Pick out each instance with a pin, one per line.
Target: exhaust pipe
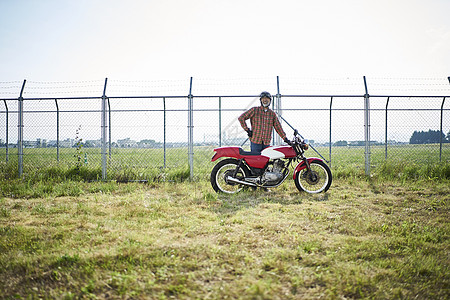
(234, 180)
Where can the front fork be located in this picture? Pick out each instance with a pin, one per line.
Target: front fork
(308, 166)
(305, 164)
(308, 172)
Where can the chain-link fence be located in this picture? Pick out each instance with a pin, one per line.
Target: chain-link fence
(54, 125)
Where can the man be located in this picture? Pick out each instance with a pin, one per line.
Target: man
(262, 120)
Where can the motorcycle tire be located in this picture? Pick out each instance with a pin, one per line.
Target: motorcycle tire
(223, 169)
(316, 181)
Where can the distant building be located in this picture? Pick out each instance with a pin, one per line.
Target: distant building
(67, 143)
(127, 143)
(41, 143)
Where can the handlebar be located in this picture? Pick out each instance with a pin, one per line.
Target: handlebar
(304, 143)
(299, 141)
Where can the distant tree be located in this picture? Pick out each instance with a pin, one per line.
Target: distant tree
(89, 144)
(341, 143)
(427, 137)
(415, 138)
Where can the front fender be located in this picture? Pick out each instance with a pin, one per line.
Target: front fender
(301, 165)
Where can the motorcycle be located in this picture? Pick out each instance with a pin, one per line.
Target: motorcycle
(270, 168)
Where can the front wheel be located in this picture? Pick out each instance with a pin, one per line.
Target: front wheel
(315, 181)
(220, 173)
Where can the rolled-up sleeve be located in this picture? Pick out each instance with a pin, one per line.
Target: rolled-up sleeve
(278, 128)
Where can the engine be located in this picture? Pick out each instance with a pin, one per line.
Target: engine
(274, 173)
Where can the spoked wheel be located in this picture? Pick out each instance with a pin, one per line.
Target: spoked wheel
(220, 173)
(316, 181)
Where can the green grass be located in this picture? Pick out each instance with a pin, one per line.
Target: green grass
(378, 238)
(153, 165)
(66, 234)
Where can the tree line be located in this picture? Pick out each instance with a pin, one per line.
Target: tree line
(418, 137)
(429, 137)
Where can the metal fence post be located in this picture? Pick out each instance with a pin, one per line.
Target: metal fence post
(20, 133)
(441, 133)
(190, 132)
(278, 110)
(367, 128)
(164, 104)
(109, 128)
(57, 130)
(104, 125)
(331, 103)
(220, 121)
(386, 131)
(442, 117)
(7, 124)
(273, 129)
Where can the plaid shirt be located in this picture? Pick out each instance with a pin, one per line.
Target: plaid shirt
(262, 120)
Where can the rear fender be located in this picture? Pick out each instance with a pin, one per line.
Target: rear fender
(226, 152)
(302, 165)
(255, 161)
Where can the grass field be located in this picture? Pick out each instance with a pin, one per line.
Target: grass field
(153, 164)
(379, 237)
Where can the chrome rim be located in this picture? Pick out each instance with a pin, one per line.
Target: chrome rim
(223, 184)
(314, 182)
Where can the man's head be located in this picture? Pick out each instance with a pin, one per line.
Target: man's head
(265, 99)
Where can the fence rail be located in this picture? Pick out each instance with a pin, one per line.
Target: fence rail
(153, 127)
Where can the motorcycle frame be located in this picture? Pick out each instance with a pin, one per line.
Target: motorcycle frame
(262, 185)
(297, 146)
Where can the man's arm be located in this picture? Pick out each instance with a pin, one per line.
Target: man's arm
(278, 128)
(245, 116)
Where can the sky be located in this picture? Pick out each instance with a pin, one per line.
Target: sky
(229, 47)
(61, 40)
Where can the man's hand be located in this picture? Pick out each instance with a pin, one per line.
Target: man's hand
(287, 141)
(250, 133)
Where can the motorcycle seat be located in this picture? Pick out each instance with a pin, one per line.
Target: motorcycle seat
(246, 153)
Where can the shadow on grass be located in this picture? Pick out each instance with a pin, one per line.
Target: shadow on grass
(230, 204)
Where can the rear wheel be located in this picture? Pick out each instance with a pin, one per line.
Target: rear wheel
(315, 181)
(226, 168)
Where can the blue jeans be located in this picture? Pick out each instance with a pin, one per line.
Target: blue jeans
(257, 148)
